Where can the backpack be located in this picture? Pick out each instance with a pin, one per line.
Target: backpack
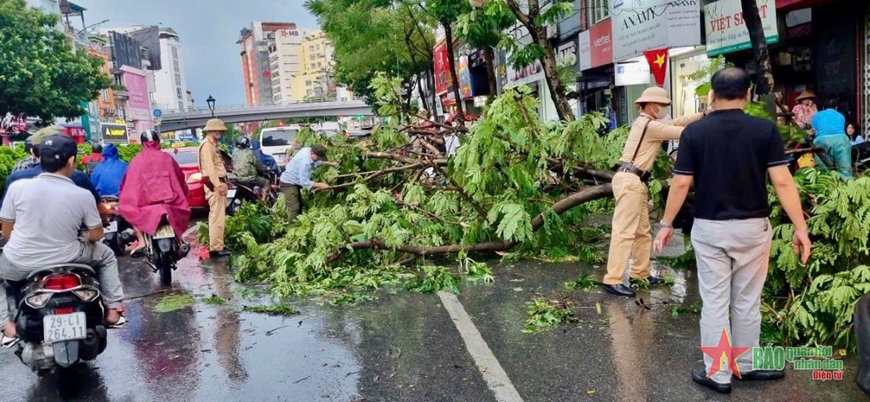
(91, 165)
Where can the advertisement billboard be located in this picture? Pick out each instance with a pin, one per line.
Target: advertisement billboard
(464, 78)
(726, 31)
(139, 103)
(125, 50)
(114, 133)
(442, 69)
(149, 38)
(641, 25)
(601, 44)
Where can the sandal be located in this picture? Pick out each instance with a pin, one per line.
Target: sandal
(121, 323)
(138, 253)
(7, 342)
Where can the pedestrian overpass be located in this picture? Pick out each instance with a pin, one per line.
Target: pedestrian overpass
(196, 118)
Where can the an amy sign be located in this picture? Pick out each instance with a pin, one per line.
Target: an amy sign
(639, 25)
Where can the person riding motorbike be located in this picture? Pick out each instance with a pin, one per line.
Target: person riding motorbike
(107, 176)
(247, 168)
(153, 186)
(42, 218)
(94, 159)
(267, 160)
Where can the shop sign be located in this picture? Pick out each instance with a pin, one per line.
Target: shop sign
(528, 74)
(442, 69)
(476, 59)
(139, 104)
(601, 44)
(640, 25)
(566, 55)
(726, 29)
(631, 73)
(114, 132)
(584, 50)
(464, 78)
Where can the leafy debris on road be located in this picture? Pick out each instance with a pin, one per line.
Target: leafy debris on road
(584, 283)
(173, 302)
(544, 314)
(275, 309)
(214, 300)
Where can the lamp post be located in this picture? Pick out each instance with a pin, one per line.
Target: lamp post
(210, 102)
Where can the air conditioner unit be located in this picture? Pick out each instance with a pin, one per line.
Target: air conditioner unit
(552, 31)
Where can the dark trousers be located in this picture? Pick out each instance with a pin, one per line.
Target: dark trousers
(292, 200)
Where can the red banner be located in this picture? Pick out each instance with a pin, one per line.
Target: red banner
(658, 64)
(442, 69)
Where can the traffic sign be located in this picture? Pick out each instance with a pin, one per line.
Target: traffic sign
(158, 113)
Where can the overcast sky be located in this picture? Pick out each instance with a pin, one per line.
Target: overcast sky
(209, 30)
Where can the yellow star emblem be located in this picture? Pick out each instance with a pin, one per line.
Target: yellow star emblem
(660, 59)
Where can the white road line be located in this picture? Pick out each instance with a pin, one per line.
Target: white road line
(494, 375)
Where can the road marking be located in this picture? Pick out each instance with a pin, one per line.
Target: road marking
(494, 375)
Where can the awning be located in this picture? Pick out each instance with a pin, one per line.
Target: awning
(789, 5)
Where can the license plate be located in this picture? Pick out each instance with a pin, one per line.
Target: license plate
(65, 327)
(113, 227)
(164, 232)
(231, 193)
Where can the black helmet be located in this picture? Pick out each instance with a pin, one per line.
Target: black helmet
(149, 136)
(97, 147)
(243, 142)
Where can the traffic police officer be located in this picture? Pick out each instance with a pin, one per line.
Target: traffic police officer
(214, 177)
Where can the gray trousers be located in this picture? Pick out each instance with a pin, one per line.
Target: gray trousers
(732, 259)
(97, 255)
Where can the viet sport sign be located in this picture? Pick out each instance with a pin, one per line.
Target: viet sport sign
(726, 29)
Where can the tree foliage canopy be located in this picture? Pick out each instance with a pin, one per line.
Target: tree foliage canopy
(39, 72)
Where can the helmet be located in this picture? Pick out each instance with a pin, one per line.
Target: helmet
(243, 142)
(149, 136)
(97, 147)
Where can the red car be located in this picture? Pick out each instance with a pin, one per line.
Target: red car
(188, 159)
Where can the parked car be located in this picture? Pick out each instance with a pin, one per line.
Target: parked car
(280, 142)
(188, 159)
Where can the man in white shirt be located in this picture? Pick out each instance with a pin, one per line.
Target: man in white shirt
(42, 217)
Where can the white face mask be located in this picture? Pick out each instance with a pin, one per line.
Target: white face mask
(663, 112)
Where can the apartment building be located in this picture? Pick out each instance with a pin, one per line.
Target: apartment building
(315, 78)
(285, 62)
(255, 42)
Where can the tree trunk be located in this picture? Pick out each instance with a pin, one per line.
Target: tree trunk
(548, 59)
(434, 115)
(423, 96)
(489, 57)
(764, 81)
(451, 58)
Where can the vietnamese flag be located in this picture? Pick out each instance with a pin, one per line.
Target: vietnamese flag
(658, 64)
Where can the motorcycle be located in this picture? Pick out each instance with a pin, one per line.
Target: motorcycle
(163, 250)
(118, 233)
(59, 318)
(861, 157)
(238, 192)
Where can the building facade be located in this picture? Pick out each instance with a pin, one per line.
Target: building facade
(170, 82)
(256, 59)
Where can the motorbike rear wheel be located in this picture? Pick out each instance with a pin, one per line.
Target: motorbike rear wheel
(165, 268)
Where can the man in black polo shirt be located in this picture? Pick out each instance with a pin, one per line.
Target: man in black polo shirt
(728, 156)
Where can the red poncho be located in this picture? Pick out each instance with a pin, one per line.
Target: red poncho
(154, 186)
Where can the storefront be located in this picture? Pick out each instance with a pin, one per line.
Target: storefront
(595, 62)
(531, 76)
(688, 72)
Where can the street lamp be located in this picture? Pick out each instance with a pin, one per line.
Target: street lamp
(210, 102)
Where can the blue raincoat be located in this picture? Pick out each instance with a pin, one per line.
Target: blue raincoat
(266, 160)
(107, 176)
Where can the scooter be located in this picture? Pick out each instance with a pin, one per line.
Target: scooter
(240, 192)
(163, 250)
(59, 318)
(118, 233)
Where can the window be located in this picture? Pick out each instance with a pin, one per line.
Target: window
(175, 64)
(312, 56)
(600, 10)
(308, 83)
(105, 95)
(278, 137)
(312, 66)
(174, 52)
(180, 105)
(311, 47)
(318, 64)
(178, 92)
(178, 79)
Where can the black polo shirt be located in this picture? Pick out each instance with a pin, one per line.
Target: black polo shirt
(728, 153)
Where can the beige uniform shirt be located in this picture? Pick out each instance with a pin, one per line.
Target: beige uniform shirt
(656, 133)
(211, 163)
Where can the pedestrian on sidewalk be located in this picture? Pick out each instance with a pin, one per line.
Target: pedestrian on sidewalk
(728, 156)
(214, 177)
(630, 235)
(297, 175)
(830, 128)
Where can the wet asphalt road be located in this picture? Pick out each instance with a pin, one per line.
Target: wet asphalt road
(401, 347)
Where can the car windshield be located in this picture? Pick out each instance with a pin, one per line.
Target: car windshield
(279, 138)
(184, 158)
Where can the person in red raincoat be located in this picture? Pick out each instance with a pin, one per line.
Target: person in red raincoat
(154, 186)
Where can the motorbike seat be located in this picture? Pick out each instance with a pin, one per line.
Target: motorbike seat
(56, 267)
